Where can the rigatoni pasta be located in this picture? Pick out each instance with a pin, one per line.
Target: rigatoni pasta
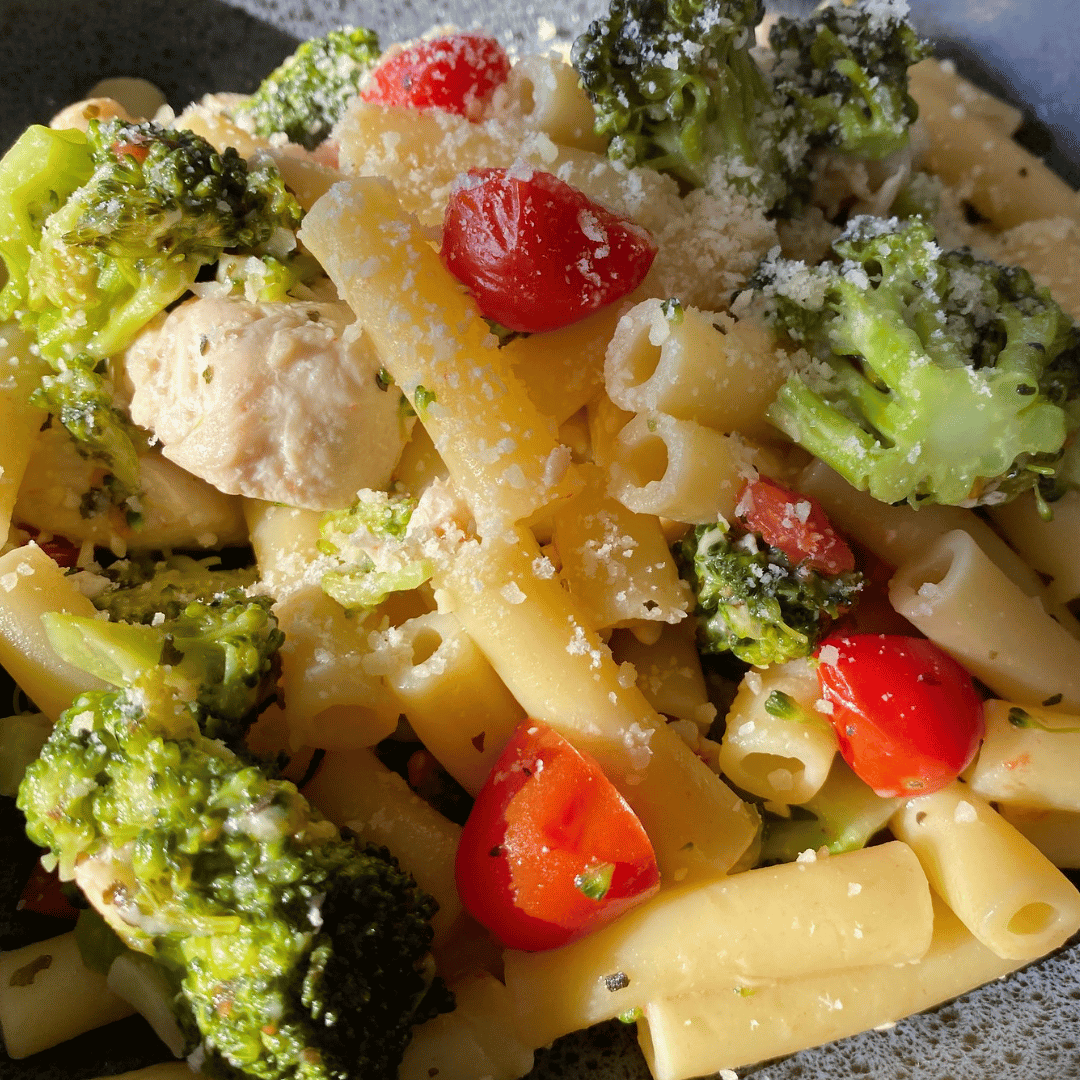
(705, 1033)
(678, 469)
(772, 755)
(1030, 757)
(48, 995)
(31, 584)
(693, 365)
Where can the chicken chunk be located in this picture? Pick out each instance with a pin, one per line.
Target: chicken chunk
(276, 401)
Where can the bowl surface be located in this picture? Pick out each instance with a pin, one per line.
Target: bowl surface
(1026, 1027)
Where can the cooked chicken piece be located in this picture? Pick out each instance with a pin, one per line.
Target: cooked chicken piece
(281, 402)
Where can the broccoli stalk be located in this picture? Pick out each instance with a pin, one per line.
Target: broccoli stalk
(141, 589)
(298, 954)
(100, 232)
(307, 94)
(37, 175)
(937, 377)
(676, 87)
(753, 602)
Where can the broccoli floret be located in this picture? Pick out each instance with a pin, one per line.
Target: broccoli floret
(365, 540)
(934, 376)
(100, 232)
(845, 69)
(220, 655)
(753, 602)
(298, 953)
(676, 86)
(376, 512)
(306, 95)
(158, 205)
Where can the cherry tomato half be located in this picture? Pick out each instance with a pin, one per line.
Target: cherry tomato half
(536, 253)
(44, 894)
(907, 716)
(456, 73)
(61, 550)
(551, 850)
(794, 524)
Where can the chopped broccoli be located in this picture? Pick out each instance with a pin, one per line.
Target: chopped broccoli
(143, 589)
(751, 599)
(220, 655)
(374, 511)
(306, 95)
(676, 86)
(366, 540)
(846, 69)
(100, 232)
(156, 206)
(267, 279)
(933, 376)
(298, 953)
(842, 816)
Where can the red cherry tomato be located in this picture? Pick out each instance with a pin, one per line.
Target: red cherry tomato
(795, 524)
(551, 850)
(456, 73)
(45, 895)
(536, 253)
(907, 716)
(61, 550)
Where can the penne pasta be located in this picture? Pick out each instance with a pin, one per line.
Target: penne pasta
(1001, 888)
(956, 596)
(499, 449)
(731, 932)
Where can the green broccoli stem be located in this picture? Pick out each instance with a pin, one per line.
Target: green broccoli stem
(842, 816)
(873, 327)
(824, 431)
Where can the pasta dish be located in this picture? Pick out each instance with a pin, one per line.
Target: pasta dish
(496, 545)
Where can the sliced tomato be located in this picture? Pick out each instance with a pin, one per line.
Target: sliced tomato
(457, 73)
(794, 524)
(45, 895)
(536, 253)
(551, 850)
(907, 716)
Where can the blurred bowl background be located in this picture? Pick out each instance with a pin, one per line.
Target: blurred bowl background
(1026, 1027)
